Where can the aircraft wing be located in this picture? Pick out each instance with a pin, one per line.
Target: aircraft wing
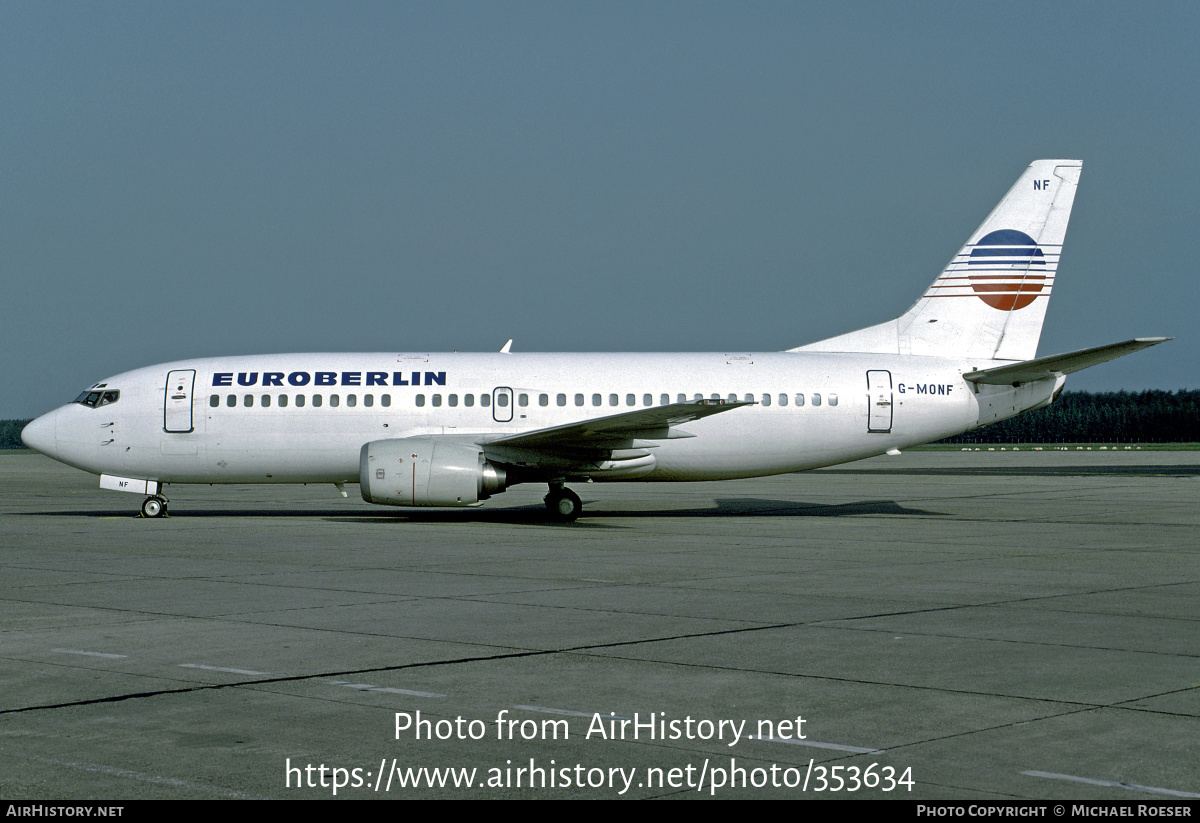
(618, 430)
(1059, 364)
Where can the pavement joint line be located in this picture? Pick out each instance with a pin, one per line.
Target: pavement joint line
(1076, 706)
(330, 675)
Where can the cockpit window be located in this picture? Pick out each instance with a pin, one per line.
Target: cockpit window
(94, 399)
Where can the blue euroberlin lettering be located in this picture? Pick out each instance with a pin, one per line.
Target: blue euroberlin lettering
(331, 378)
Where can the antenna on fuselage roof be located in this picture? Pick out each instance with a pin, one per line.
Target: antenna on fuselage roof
(506, 347)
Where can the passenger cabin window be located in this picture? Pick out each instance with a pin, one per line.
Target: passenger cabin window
(579, 400)
(561, 400)
(816, 399)
(266, 400)
(543, 400)
(596, 400)
(214, 401)
(766, 399)
(832, 399)
(665, 400)
(420, 400)
(385, 400)
(469, 400)
(799, 399)
(485, 400)
(231, 401)
(316, 401)
(248, 400)
(283, 401)
(452, 400)
(522, 400)
(502, 400)
(351, 400)
(612, 400)
(299, 401)
(334, 400)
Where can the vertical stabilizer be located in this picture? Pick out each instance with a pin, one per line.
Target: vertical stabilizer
(990, 300)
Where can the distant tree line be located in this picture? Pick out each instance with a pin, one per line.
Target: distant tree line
(1076, 417)
(10, 434)
(1104, 417)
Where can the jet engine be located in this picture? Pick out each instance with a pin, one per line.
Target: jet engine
(426, 471)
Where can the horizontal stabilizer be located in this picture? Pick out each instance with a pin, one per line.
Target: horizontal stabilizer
(1046, 367)
(605, 432)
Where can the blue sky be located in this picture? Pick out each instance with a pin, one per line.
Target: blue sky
(191, 179)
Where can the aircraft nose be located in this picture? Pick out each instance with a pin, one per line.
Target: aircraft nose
(42, 435)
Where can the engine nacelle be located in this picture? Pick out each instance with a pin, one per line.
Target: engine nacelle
(426, 471)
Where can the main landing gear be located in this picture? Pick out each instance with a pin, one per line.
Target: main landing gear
(564, 504)
(154, 506)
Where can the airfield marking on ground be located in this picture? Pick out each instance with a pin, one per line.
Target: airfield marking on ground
(367, 687)
(566, 712)
(838, 747)
(91, 654)
(1115, 784)
(219, 669)
(172, 782)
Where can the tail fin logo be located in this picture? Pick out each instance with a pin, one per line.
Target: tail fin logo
(1007, 269)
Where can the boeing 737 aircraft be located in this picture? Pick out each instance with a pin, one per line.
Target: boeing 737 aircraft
(455, 429)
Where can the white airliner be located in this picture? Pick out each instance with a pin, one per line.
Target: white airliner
(454, 429)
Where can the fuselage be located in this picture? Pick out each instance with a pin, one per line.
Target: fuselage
(303, 418)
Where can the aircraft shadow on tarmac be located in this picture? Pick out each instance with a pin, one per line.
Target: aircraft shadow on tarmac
(537, 515)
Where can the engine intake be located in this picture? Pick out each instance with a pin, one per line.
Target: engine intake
(426, 471)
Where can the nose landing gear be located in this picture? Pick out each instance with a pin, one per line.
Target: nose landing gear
(154, 506)
(564, 504)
